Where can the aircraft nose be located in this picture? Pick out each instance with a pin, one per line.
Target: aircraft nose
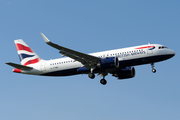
(172, 53)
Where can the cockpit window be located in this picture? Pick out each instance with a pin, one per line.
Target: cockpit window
(162, 47)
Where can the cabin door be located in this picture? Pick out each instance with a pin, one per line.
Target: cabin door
(43, 66)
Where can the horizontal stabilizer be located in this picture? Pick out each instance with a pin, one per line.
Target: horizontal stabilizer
(22, 67)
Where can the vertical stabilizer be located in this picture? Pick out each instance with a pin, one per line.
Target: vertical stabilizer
(26, 54)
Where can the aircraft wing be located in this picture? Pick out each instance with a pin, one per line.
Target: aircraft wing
(22, 67)
(87, 60)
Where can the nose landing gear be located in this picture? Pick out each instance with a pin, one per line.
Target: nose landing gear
(153, 70)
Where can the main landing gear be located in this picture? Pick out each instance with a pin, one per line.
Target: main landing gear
(102, 81)
(153, 70)
(91, 75)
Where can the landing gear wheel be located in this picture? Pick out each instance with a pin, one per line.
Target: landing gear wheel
(103, 81)
(91, 75)
(154, 70)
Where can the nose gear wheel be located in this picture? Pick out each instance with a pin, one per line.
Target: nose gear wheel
(153, 70)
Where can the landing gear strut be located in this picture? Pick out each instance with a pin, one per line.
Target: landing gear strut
(91, 74)
(153, 70)
(103, 81)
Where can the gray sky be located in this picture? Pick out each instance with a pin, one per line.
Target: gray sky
(90, 26)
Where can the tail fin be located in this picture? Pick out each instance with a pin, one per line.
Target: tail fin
(26, 54)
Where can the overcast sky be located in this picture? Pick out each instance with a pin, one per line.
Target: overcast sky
(90, 26)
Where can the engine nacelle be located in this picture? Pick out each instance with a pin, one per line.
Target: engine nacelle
(108, 63)
(82, 69)
(128, 72)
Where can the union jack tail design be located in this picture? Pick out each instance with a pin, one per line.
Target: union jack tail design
(26, 55)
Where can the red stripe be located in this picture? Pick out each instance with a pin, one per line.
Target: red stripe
(16, 70)
(32, 61)
(145, 47)
(22, 47)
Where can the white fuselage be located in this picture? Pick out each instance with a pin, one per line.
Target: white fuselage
(130, 56)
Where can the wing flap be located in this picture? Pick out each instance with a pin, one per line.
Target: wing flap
(84, 62)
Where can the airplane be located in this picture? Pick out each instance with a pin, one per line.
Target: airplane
(119, 62)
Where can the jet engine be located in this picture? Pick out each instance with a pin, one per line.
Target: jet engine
(108, 63)
(128, 72)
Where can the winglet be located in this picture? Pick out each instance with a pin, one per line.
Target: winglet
(45, 38)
